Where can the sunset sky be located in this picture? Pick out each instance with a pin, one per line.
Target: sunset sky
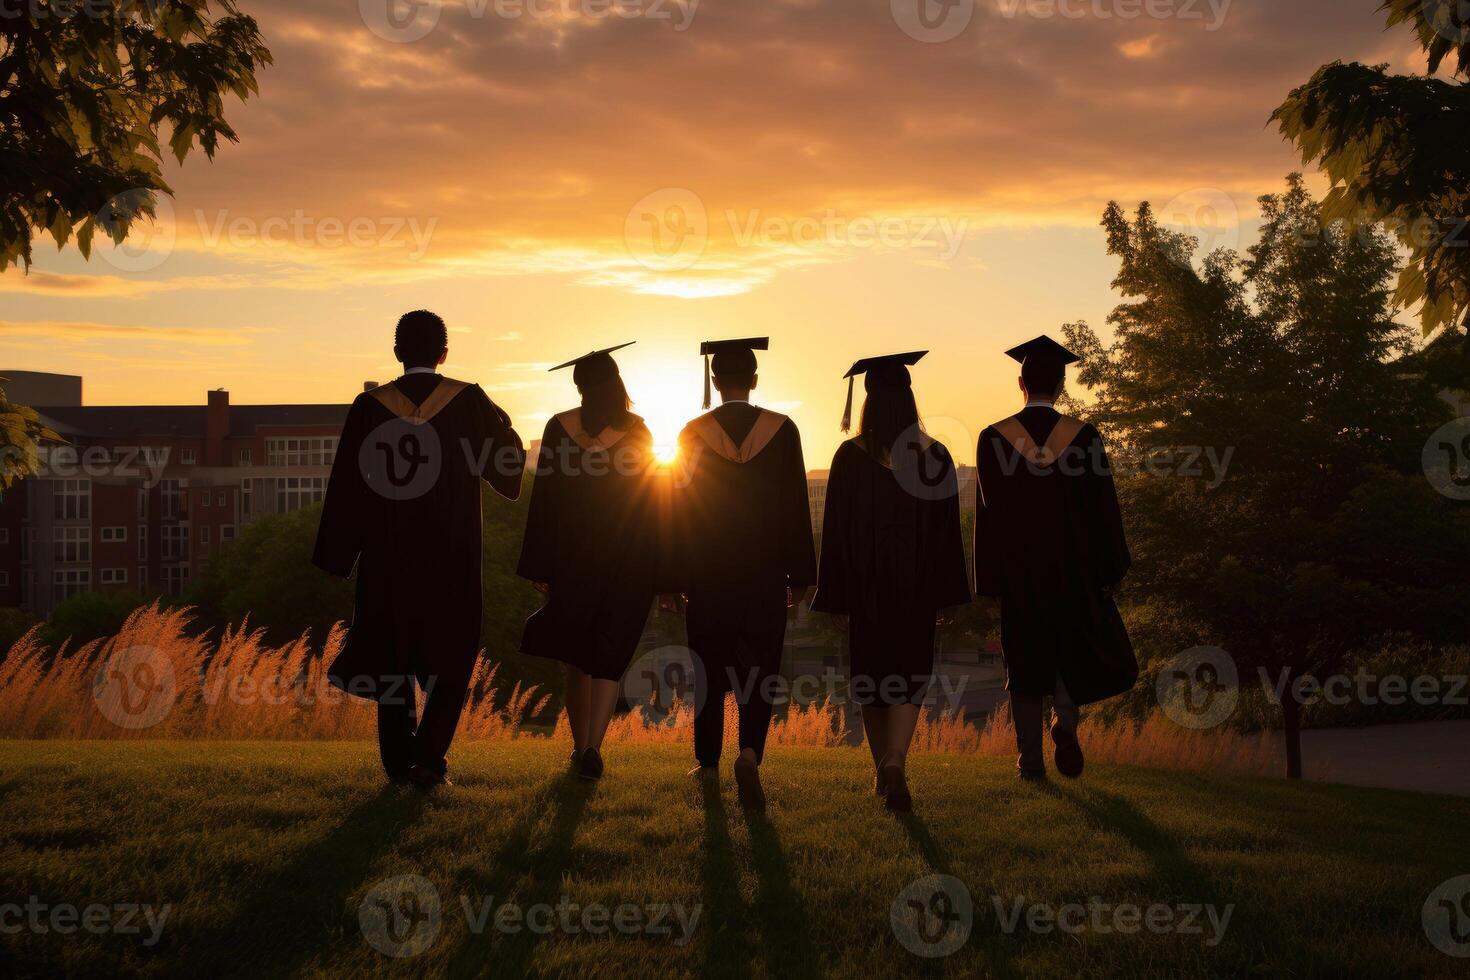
(552, 181)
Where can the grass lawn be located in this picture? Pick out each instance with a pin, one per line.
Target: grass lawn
(267, 853)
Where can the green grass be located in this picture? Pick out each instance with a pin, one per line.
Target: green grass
(265, 851)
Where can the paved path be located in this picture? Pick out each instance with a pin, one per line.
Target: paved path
(1433, 757)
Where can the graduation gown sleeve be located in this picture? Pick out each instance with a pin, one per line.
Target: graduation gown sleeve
(538, 546)
(501, 458)
(834, 574)
(951, 582)
(989, 573)
(339, 537)
(1109, 551)
(801, 551)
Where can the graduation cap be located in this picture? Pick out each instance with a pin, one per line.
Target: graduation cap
(890, 370)
(730, 357)
(1043, 349)
(594, 367)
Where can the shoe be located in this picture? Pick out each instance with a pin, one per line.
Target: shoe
(1069, 759)
(1031, 775)
(427, 779)
(880, 787)
(703, 772)
(576, 761)
(897, 798)
(748, 784)
(590, 767)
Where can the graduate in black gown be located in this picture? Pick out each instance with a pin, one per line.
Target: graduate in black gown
(403, 508)
(1049, 543)
(592, 546)
(743, 554)
(892, 559)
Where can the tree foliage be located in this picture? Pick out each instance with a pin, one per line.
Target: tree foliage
(21, 434)
(1287, 363)
(86, 89)
(1397, 151)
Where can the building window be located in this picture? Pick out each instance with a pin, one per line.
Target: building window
(169, 499)
(72, 500)
(296, 492)
(27, 542)
(219, 499)
(71, 544)
(142, 576)
(175, 542)
(245, 497)
(227, 532)
(300, 452)
(69, 581)
(186, 457)
(4, 578)
(242, 458)
(4, 535)
(114, 576)
(142, 504)
(142, 542)
(114, 534)
(175, 577)
(204, 534)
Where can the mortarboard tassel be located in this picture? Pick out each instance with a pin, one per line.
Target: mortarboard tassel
(706, 381)
(847, 412)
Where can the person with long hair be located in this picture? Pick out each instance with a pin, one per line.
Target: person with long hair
(892, 559)
(591, 546)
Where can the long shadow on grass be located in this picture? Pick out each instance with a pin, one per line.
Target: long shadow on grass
(726, 947)
(282, 921)
(542, 872)
(783, 921)
(1179, 877)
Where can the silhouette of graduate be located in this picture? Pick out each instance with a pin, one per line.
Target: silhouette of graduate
(892, 557)
(403, 509)
(1049, 543)
(743, 554)
(592, 545)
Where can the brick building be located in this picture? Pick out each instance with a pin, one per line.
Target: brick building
(143, 496)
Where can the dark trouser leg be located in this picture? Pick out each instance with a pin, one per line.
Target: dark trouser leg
(1067, 714)
(754, 713)
(1026, 714)
(709, 721)
(397, 719)
(445, 695)
(756, 686)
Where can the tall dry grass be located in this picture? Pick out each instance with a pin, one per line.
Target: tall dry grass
(154, 680)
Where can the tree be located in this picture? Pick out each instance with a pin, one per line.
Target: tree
(88, 616)
(266, 574)
(85, 87)
(1397, 150)
(21, 434)
(1290, 362)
